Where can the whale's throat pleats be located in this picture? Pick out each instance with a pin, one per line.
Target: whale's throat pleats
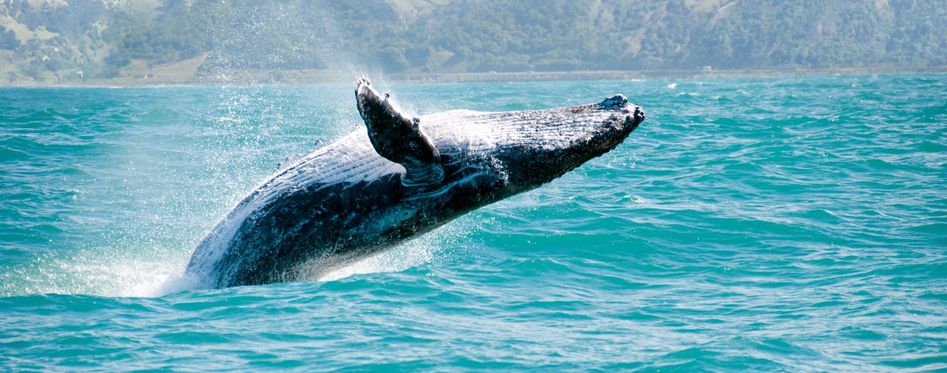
(398, 137)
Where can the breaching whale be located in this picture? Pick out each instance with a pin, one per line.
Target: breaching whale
(398, 178)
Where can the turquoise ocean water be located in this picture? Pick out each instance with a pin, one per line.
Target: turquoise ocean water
(791, 223)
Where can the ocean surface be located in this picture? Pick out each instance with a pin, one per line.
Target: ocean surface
(770, 224)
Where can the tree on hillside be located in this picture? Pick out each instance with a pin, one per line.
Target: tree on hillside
(8, 39)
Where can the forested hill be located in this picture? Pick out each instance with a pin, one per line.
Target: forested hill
(60, 41)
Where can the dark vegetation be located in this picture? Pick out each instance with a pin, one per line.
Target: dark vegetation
(101, 40)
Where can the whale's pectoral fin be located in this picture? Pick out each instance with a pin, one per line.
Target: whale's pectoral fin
(398, 138)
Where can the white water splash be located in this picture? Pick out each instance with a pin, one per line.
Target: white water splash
(112, 271)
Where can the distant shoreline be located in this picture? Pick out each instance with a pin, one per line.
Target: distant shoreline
(646, 74)
(291, 77)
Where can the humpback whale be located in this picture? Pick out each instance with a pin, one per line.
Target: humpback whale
(398, 177)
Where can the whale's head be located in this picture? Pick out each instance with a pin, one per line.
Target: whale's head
(536, 146)
(542, 145)
(488, 156)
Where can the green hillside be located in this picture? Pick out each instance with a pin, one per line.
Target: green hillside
(47, 41)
